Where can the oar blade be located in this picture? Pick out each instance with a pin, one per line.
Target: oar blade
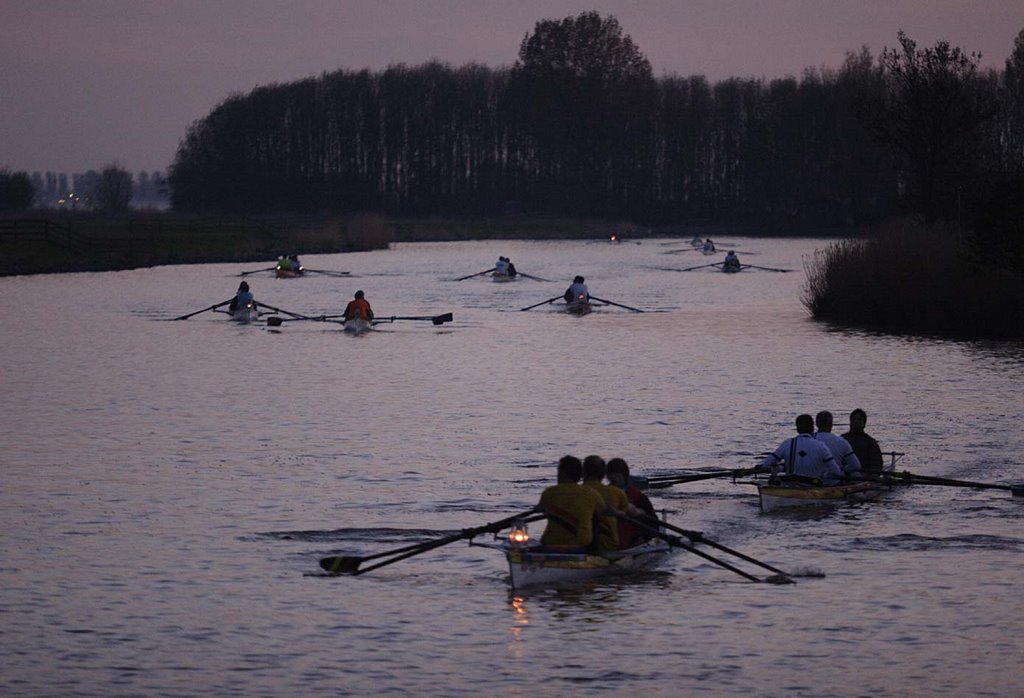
(441, 319)
(340, 564)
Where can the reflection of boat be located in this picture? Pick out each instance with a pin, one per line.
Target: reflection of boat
(246, 314)
(580, 307)
(358, 325)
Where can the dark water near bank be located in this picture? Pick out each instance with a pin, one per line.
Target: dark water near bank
(169, 486)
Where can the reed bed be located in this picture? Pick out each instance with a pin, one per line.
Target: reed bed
(911, 280)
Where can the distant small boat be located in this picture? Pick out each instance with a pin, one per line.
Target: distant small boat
(731, 268)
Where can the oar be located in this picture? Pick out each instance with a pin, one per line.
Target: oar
(909, 478)
(698, 537)
(261, 304)
(702, 266)
(485, 271)
(529, 276)
(537, 305)
(660, 483)
(620, 305)
(212, 307)
(327, 272)
(678, 542)
(344, 564)
(754, 266)
(257, 271)
(436, 319)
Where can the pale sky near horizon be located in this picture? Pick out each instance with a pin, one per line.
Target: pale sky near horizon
(87, 82)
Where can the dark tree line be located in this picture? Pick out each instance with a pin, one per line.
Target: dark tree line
(580, 126)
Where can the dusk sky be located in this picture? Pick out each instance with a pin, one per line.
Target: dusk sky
(84, 83)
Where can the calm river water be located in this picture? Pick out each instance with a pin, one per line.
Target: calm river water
(168, 487)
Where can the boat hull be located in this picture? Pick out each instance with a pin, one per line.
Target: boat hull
(358, 325)
(578, 307)
(502, 278)
(288, 273)
(246, 315)
(776, 497)
(531, 568)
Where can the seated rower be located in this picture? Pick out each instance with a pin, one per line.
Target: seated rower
(577, 292)
(242, 297)
(803, 456)
(731, 261)
(501, 267)
(631, 535)
(358, 307)
(571, 510)
(840, 448)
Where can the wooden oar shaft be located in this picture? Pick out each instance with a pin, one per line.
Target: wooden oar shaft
(912, 479)
(620, 305)
(350, 564)
(470, 276)
(698, 537)
(662, 483)
(678, 542)
(204, 310)
(537, 305)
(261, 304)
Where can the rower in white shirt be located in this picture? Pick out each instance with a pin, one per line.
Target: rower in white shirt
(840, 448)
(803, 455)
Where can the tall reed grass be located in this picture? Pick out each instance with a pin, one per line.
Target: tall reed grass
(911, 280)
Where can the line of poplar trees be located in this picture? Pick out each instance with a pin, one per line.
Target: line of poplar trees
(578, 126)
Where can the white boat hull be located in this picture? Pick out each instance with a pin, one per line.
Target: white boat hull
(358, 325)
(531, 569)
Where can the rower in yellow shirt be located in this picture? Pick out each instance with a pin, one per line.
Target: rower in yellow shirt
(617, 502)
(571, 510)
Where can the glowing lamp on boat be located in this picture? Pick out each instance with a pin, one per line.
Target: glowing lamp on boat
(518, 536)
(615, 237)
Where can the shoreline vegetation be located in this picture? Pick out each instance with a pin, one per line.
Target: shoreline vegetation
(911, 279)
(905, 278)
(57, 242)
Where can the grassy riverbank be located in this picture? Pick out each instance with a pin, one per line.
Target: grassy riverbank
(47, 242)
(910, 280)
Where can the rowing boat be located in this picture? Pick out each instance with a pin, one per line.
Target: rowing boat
(532, 566)
(792, 495)
(288, 273)
(502, 277)
(578, 307)
(246, 314)
(795, 492)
